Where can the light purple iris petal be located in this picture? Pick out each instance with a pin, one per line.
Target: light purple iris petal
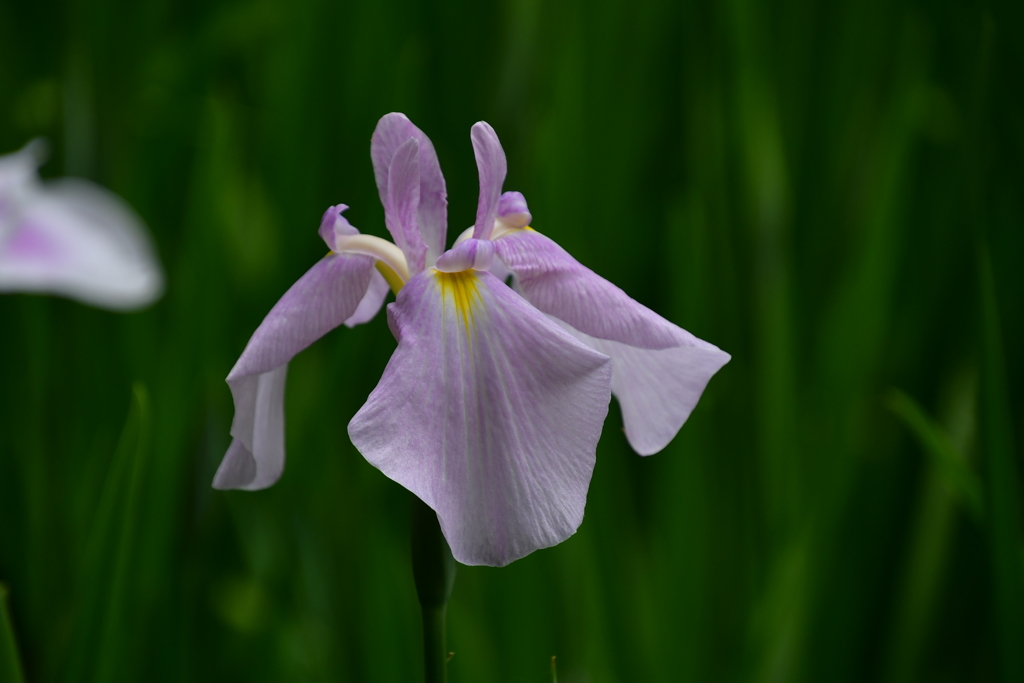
(657, 389)
(255, 458)
(328, 294)
(559, 285)
(391, 132)
(334, 225)
(75, 239)
(371, 302)
(487, 411)
(499, 270)
(513, 211)
(471, 254)
(402, 201)
(490, 162)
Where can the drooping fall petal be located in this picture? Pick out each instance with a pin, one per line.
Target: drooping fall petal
(371, 302)
(255, 458)
(561, 286)
(489, 412)
(392, 131)
(326, 296)
(657, 389)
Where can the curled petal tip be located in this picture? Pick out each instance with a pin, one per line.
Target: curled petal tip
(512, 210)
(334, 226)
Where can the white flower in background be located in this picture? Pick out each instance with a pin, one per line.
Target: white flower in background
(72, 238)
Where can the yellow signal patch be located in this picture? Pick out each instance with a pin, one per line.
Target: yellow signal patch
(460, 290)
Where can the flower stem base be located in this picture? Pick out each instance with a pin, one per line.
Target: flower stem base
(433, 569)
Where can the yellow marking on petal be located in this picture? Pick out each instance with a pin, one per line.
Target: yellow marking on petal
(393, 279)
(461, 289)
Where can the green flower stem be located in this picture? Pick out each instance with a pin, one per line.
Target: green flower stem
(10, 666)
(433, 569)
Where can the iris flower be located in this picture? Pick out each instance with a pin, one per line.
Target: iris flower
(492, 404)
(72, 238)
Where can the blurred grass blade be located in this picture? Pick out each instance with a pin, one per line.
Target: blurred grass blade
(10, 665)
(929, 545)
(1004, 492)
(102, 643)
(951, 466)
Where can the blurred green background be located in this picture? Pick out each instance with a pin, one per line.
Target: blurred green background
(832, 192)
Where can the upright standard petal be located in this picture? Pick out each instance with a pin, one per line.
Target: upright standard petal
(327, 295)
(657, 389)
(402, 202)
(491, 164)
(392, 131)
(73, 238)
(487, 411)
(562, 287)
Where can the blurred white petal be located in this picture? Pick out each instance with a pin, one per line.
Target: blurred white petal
(73, 238)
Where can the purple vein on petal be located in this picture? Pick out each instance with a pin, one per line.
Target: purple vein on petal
(326, 296)
(402, 203)
(496, 430)
(559, 285)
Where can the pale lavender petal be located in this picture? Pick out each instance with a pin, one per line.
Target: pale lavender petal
(489, 412)
(401, 204)
(237, 469)
(490, 162)
(328, 294)
(76, 239)
(391, 132)
(255, 459)
(323, 298)
(559, 285)
(371, 302)
(512, 210)
(471, 254)
(499, 270)
(334, 226)
(657, 389)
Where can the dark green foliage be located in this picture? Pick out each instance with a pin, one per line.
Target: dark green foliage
(806, 184)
